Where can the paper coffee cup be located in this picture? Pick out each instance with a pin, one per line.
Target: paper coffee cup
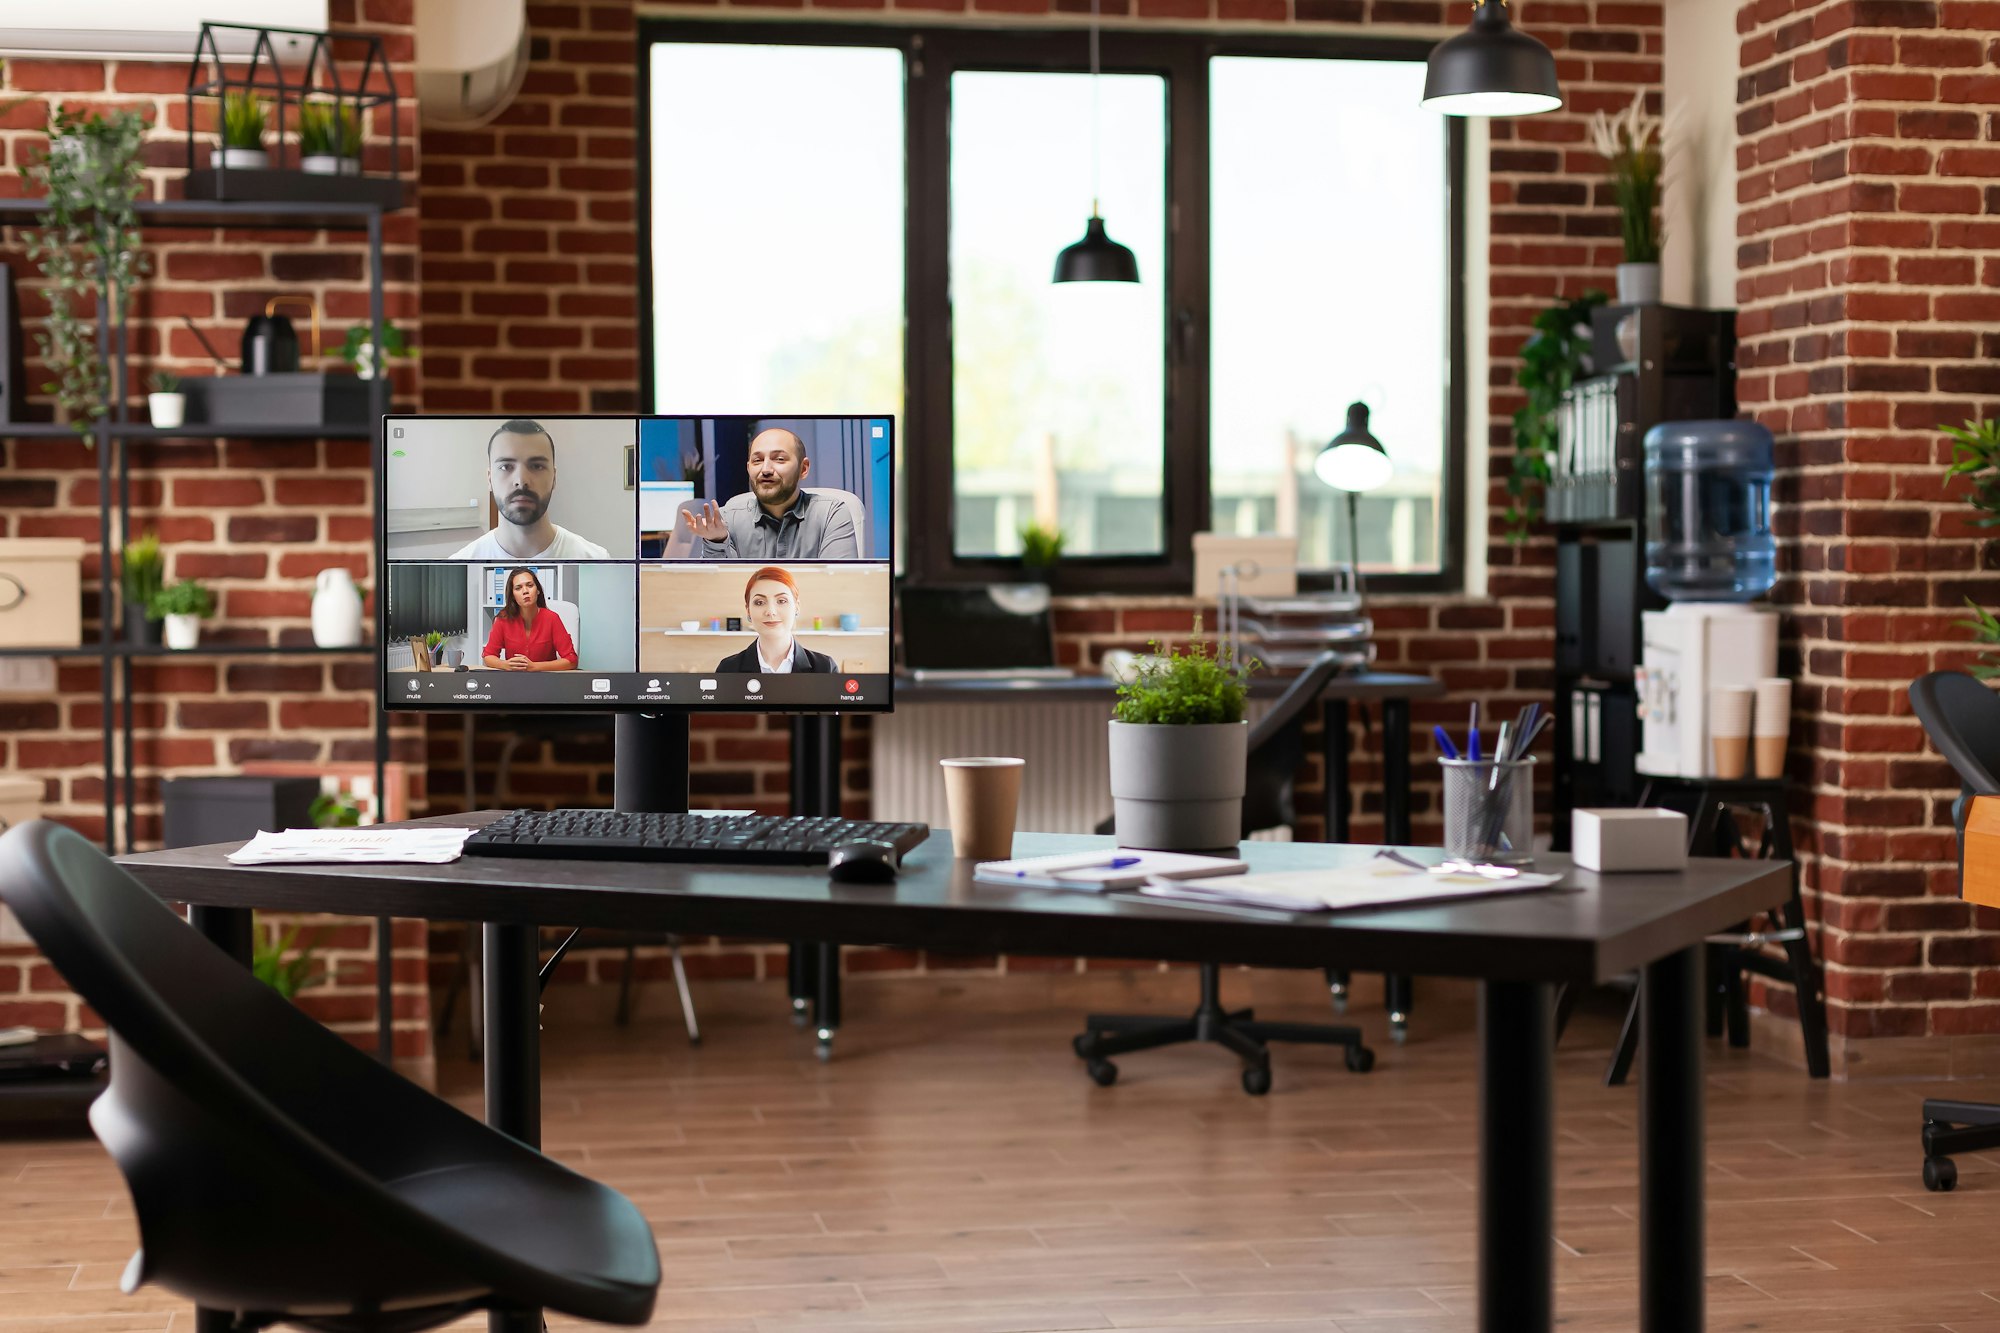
(1774, 708)
(983, 796)
(1729, 728)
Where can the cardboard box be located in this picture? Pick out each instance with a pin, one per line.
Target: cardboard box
(20, 801)
(1618, 840)
(41, 592)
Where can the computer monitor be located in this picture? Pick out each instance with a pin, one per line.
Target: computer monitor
(644, 564)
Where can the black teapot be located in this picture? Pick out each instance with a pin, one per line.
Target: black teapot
(270, 344)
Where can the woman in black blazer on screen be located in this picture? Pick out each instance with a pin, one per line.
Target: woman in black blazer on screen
(771, 608)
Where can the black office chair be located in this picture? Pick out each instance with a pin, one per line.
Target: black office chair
(281, 1175)
(1962, 716)
(1277, 747)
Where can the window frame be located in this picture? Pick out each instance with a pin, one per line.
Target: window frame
(930, 56)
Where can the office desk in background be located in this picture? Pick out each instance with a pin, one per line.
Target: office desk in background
(1518, 948)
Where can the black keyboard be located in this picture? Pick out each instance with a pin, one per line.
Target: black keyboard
(613, 835)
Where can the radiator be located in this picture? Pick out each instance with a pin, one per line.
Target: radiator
(1067, 785)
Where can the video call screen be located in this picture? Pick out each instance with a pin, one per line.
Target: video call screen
(637, 563)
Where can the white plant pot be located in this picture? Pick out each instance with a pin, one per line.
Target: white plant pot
(183, 632)
(336, 610)
(1179, 789)
(326, 164)
(1638, 284)
(243, 159)
(167, 410)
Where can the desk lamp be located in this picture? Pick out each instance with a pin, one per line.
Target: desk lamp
(1354, 461)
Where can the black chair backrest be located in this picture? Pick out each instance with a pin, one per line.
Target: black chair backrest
(1962, 716)
(1278, 747)
(256, 1143)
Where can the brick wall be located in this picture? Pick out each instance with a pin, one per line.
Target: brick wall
(255, 519)
(1866, 159)
(529, 233)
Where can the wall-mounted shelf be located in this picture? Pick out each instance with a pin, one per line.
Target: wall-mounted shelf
(222, 649)
(202, 213)
(140, 430)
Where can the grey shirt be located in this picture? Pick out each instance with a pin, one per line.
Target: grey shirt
(816, 527)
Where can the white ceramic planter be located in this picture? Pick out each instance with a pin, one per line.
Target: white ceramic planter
(326, 164)
(1638, 284)
(1179, 788)
(336, 610)
(167, 410)
(243, 159)
(183, 632)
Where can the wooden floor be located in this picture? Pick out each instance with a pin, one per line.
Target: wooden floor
(953, 1169)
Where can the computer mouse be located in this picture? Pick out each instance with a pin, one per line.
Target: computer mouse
(863, 861)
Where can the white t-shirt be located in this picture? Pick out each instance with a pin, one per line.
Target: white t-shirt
(566, 546)
(783, 668)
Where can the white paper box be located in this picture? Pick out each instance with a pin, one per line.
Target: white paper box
(1642, 839)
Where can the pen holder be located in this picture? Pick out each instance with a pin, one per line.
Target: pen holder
(1490, 818)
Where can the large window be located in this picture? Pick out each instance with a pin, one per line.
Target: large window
(883, 234)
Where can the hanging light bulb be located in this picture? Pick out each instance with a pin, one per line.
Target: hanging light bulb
(1491, 69)
(1095, 258)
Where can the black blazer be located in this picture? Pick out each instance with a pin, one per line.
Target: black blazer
(804, 659)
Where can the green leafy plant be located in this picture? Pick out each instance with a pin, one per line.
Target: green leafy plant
(287, 976)
(142, 572)
(243, 120)
(1633, 143)
(1554, 357)
(1041, 547)
(189, 597)
(1975, 453)
(88, 248)
(334, 809)
(328, 129)
(163, 381)
(359, 351)
(1199, 687)
(434, 638)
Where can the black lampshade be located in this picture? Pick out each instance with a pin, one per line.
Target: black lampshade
(1096, 258)
(1354, 460)
(1491, 69)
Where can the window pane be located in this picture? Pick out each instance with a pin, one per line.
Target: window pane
(777, 236)
(1330, 268)
(1058, 389)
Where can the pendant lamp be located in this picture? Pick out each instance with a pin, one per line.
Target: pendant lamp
(1095, 258)
(1491, 69)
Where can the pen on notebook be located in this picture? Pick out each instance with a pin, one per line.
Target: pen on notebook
(1444, 742)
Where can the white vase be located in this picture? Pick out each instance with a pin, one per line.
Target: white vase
(327, 164)
(243, 159)
(336, 610)
(167, 410)
(183, 632)
(1638, 284)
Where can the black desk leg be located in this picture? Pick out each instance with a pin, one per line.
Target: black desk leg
(1398, 992)
(1671, 1160)
(799, 979)
(1339, 802)
(826, 1008)
(1516, 1157)
(513, 1059)
(232, 930)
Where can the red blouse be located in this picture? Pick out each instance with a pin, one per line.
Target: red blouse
(547, 641)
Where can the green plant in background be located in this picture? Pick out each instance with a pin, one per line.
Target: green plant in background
(88, 248)
(334, 809)
(1198, 687)
(163, 381)
(189, 597)
(1633, 143)
(1041, 547)
(142, 573)
(1975, 453)
(358, 351)
(1556, 355)
(243, 120)
(433, 639)
(287, 976)
(329, 129)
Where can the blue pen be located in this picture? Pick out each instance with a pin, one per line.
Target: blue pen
(1120, 862)
(1472, 734)
(1444, 743)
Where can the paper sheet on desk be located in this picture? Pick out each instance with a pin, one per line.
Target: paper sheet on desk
(1371, 884)
(306, 846)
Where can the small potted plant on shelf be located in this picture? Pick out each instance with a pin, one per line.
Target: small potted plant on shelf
(358, 350)
(1041, 548)
(329, 139)
(1633, 145)
(141, 574)
(183, 606)
(243, 120)
(166, 405)
(1180, 750)
(334, 809)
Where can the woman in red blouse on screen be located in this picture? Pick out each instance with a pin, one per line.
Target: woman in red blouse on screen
(527, 636)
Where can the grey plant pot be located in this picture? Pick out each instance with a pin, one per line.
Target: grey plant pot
(1179, 788)
(1638, 284)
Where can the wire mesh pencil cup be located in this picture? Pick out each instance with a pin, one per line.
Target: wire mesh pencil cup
(1490, 818)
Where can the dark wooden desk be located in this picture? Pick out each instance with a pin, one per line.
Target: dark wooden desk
(1518, 949)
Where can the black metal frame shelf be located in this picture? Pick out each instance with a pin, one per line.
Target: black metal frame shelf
(203, 213)
(224, 649)
(140, 430)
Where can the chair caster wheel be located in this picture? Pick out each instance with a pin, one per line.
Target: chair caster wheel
(1340, 1002)
(1083, 1043)
(1360, 1059)
(1940, 1174)
(801, 1013)
(1257, 1080)
(1399, 1029)
(1102, 1072)
(824, 1048)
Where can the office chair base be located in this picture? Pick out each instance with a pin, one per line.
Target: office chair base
(1955, 1127)
(1107, 1035)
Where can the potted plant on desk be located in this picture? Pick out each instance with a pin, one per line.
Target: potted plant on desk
(1180, 750)
(184, 606)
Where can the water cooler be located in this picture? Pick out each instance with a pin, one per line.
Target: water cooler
(1710, 553)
